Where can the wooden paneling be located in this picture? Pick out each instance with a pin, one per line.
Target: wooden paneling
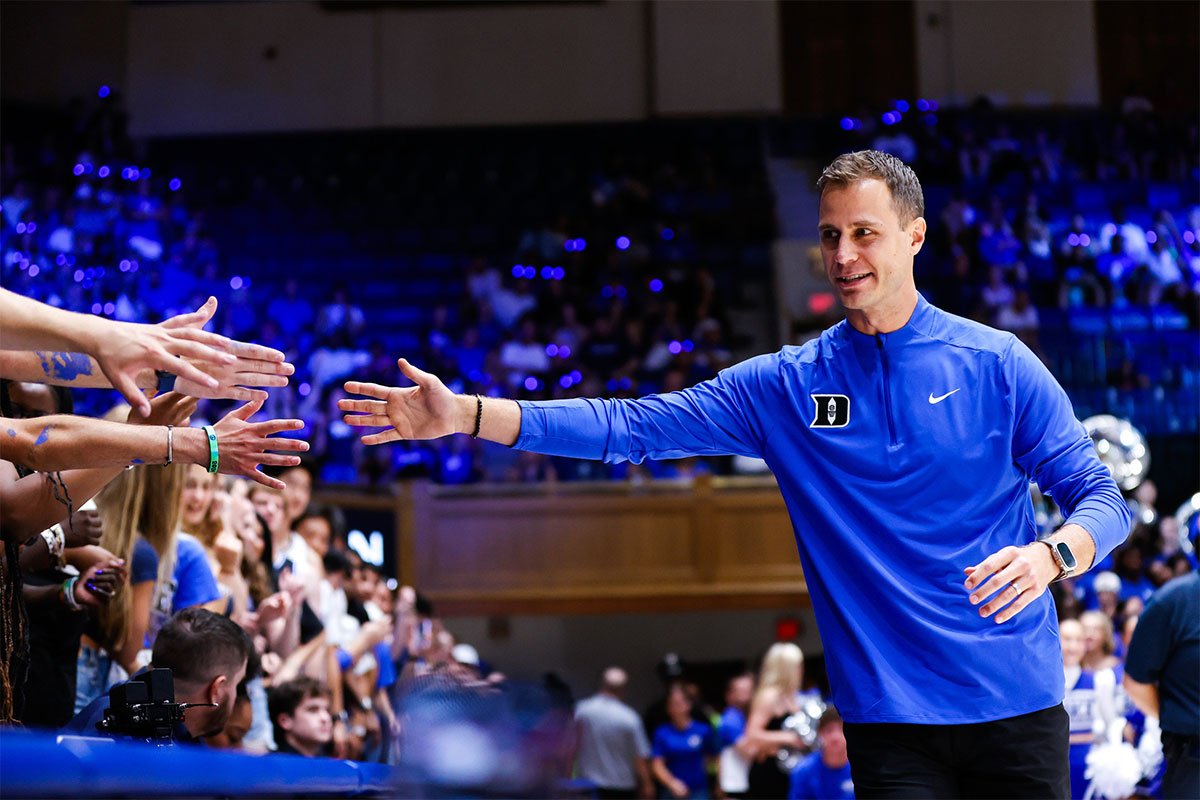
(600, 548)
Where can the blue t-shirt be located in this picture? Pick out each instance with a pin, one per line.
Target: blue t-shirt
(683, 751)
(192, 582)
(902, 458)
(732, 726)
(812, 780)
(1166, 650)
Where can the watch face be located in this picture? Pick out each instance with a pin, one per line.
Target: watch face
(1064, 552)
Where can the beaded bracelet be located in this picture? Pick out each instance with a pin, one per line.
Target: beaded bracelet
(478, 416)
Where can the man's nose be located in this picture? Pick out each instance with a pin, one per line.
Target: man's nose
(845, 253)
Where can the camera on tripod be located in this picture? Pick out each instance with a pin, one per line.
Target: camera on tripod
(144, 707)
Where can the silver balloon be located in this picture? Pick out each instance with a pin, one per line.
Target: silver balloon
(1183, 518)
(1121, 447)
(804, 724)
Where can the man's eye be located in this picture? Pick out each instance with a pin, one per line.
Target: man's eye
(829, 235)
(863, 232)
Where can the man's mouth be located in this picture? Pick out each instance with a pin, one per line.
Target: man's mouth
(853, 280)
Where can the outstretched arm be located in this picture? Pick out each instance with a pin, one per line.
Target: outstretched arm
(253, 366)
(428, 411)
(718, 417)
(63, 441)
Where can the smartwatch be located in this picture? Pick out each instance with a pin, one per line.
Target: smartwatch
(1061, 552)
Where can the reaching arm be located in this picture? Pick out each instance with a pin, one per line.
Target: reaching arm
(714, 417)
(61, 441)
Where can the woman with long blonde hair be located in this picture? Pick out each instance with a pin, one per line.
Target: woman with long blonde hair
(168, 571)
(774, 701)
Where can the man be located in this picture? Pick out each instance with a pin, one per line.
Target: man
(613, 748)
(904, 440)
(1160, 678)
(207, 655)
(825, 774)
(301, 716)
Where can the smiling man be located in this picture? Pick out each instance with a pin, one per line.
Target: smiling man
(904, 440)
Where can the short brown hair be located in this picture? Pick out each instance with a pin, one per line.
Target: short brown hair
(848, 168)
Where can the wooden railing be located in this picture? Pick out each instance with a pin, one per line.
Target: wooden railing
(573, 548)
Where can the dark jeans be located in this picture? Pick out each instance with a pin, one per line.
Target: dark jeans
(1018, 757)
(1182, 754)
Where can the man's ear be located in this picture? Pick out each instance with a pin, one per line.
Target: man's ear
(917, 235)
(284, 721)
(214, 688)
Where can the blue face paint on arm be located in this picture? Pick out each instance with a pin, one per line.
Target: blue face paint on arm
(66, 366)
(44, 435)
(12, 433)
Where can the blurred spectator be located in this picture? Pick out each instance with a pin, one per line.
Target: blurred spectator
(612, 751)
(683, 749)
(825, 774)
(301, 716)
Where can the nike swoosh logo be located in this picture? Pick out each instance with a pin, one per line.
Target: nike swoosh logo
(933, 401)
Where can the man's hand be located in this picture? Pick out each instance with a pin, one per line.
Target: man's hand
(1015, 575)
(243, 445)
(426, 411)
(83, 528)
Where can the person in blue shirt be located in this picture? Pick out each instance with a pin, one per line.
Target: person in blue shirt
(682, 749)
(733, 766)
(904, 440)
(824, 774)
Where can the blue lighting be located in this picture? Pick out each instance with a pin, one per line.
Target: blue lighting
(518, 270)
(626, 383)
(100, 272)
(134, 173)
(60, 260)
(146, 173)
(891, 118)
(612, 385)
(558, 273)
(1084, 239)
(104, 92)
(922, 105)
(531, 383)
(305, 389)
(78, 170)
(1189, 237)
(20, 227)
(1073, 239)
(1151, 236)
(124, 265)
(565, 381)
(531, 272)
(547, 273)
(175, 184)
(97, 308)
(931, 119)
(668, 234)
(620, 291)
(656, 285)
(622, 242)
(933, 105)
(552, 350)
(78, 276)
(580, 245)
(89, 273)
(675, 347)
(847, 124)
(900, 105)
(103, 172)
(606, 292)
(34, 269)
(688, 345)
(576, 376)
(235, 282)
(564, 351)
(109, 308)
(30, 227)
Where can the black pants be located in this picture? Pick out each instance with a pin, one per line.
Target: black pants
(1018, 757)
(1182, 779)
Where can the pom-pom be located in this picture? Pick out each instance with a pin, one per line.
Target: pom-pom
(1114, 770)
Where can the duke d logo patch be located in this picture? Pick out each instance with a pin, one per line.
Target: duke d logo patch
(833, 411)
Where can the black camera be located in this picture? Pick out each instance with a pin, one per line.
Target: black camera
(144, 707)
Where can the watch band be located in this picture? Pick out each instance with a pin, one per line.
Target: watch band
(1065, 570)
(166, 381)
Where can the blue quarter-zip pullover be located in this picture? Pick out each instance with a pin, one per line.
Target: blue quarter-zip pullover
(903, 458)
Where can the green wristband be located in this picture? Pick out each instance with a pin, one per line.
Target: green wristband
(213, 457)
